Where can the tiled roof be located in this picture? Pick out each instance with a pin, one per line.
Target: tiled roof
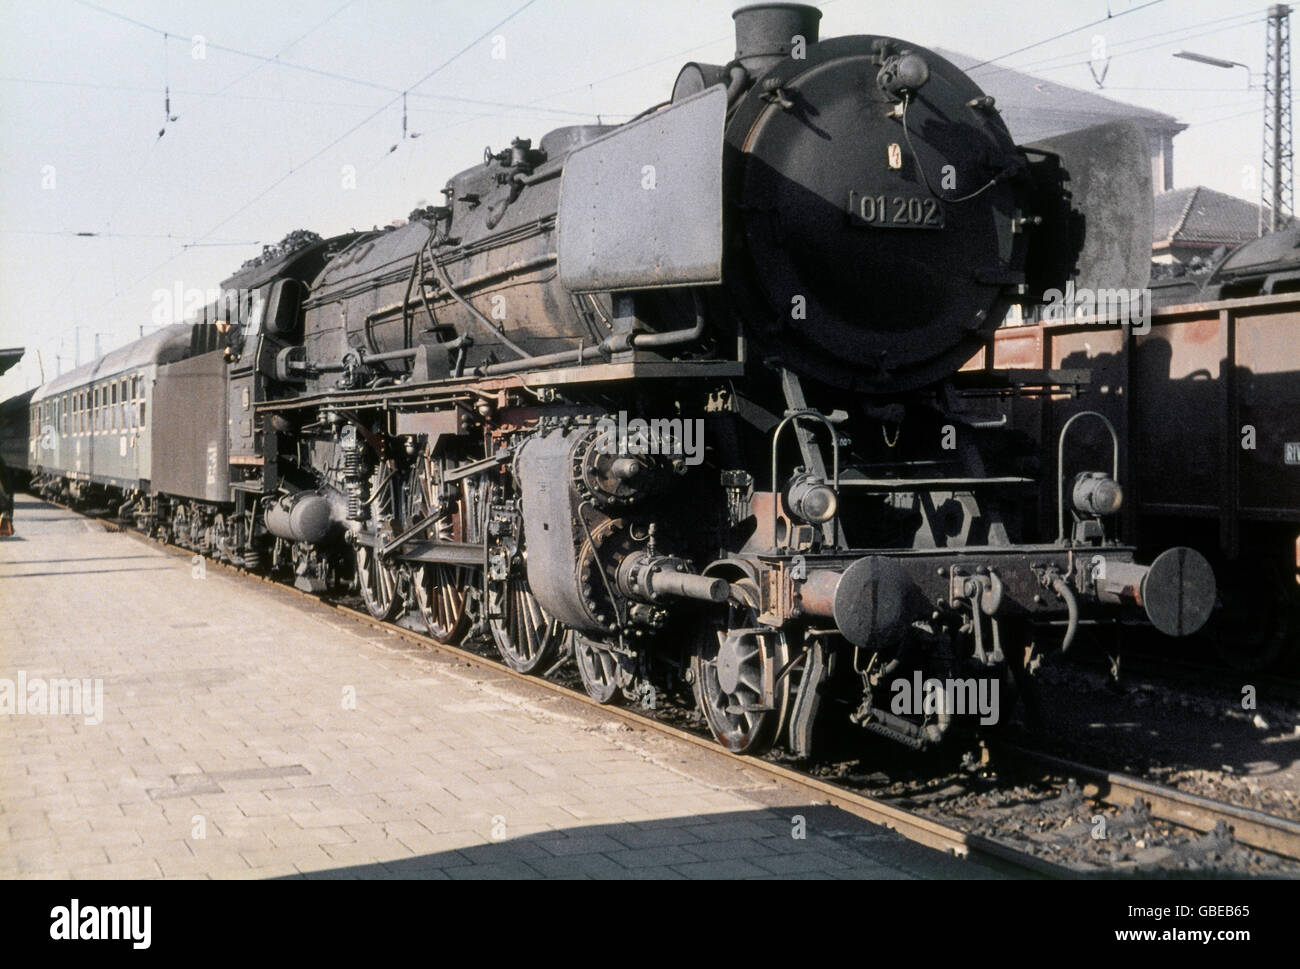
(1034, 108)
(1200, 215)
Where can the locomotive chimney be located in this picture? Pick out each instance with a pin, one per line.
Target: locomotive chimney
(766, 32)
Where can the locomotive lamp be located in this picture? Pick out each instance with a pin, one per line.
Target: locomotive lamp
(811, 499)
(1096, 494)
(903, 74)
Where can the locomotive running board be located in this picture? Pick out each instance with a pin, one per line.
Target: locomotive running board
(1112, 208)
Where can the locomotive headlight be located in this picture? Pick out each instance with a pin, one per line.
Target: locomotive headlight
(903, 74)
(1096, 494)
(811, 499)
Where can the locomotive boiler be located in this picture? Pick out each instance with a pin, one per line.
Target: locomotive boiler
(675, 398)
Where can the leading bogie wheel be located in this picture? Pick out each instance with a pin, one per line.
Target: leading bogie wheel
(599, 668)
(737, 671)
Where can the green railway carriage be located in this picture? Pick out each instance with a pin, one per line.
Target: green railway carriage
(91, 426)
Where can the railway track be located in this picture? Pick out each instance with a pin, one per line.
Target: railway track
(1190, 674)
(1275, 836)
(1278, 836)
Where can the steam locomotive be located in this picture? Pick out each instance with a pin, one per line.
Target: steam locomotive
(675, 397)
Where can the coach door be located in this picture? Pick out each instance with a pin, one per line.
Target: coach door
(60, 451)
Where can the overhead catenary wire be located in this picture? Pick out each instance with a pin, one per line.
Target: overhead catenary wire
(1066, 33)
(276, 61)
(1174, 35)
(532, 109)
(321, 151)
(89, 234)
(1048, 64)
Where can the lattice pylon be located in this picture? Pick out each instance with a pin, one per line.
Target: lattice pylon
(1277, 186)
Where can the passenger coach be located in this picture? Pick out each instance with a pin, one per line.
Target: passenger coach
(90, 427)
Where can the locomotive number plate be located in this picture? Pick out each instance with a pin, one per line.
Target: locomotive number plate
(1292, 452)
(895, 211)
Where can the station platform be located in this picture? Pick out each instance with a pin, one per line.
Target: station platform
(246, 732)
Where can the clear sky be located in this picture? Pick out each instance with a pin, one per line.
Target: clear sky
(259, 149)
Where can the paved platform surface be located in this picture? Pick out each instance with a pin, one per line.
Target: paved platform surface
(248, 733)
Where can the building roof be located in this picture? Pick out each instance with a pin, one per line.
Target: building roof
(10, 356)
(1200, 216)
(1034, 108)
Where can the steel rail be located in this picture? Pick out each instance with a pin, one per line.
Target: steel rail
(1278, 836)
